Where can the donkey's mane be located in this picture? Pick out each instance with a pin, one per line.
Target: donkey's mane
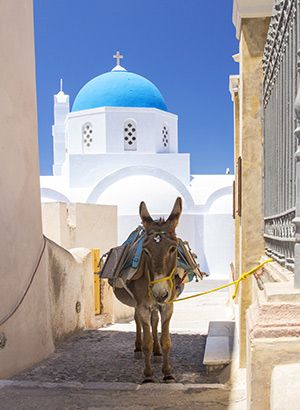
(161, 221)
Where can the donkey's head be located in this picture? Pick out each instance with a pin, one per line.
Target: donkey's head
(160, 252)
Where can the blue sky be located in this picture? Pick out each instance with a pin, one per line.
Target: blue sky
(184, 47)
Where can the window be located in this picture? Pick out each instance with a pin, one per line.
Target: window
(165, 137)
(87, 137)
(130, 139)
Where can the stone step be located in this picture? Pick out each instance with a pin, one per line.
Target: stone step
(219, 345)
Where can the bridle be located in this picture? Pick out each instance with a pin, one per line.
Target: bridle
(157, 238)
(152, 282)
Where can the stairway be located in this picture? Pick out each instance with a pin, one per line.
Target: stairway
(219, 345)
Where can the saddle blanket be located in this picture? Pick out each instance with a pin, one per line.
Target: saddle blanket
(120, 264)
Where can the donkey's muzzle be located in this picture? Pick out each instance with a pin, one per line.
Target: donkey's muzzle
(161, 292)
(161, 298)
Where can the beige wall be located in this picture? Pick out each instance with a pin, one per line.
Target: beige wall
(81, 225)
(71, 290)
(47, 313)
(249, 244)
(27, 331)
(20, 213)
(263, 355)
(268, 320)
(89, 226)
(59, 302)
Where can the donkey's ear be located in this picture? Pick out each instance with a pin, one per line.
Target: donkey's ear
(175, 214)
(145, 216)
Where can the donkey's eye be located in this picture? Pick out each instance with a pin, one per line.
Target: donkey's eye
(172, 249)
(147, 252)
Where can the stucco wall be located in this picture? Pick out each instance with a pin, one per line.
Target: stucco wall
(59, 302)
(80, 225)
(248, 145)
(20, 213)
(28, 333)
(71, 290)
(89, 226)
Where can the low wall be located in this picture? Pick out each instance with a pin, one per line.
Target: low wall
(89, 226)
(111, 307)
(59, 302)
(71, 290)
(273, 339)
(285, 379)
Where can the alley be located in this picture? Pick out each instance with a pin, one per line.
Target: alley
(96, 369)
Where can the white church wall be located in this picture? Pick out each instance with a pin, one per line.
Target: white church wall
(61, 110)
(58, 132)
(149, 122)
(75, 124)
(115, 129)
(210, 237)
(218, 244)
(87, 170)
(209, 230)
(171, 120)
(108, 129)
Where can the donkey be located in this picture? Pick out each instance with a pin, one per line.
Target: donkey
(153, 288)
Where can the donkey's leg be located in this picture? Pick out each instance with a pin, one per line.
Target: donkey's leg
(166, 314)
(154, 325)
(144, 315)
(138, 336)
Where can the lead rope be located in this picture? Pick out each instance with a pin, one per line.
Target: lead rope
(236, 283)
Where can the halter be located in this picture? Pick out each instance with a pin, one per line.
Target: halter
(152, 282)
(157, 238)
(157, 235)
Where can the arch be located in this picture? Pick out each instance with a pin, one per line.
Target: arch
(122, 173)
(216, 195)
(55, 195)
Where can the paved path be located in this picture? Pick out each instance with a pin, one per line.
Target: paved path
(96, 369)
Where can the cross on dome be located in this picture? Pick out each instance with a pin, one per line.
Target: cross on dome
(118, 56)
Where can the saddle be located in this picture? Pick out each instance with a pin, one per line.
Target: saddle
(120, 265)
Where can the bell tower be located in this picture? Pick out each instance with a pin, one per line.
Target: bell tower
(61, 110)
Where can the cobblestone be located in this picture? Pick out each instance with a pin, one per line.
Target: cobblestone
(96, 369)
(107, 356)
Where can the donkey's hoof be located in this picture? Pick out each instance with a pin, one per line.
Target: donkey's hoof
(138, 354)
(148, 380)
(169, 378)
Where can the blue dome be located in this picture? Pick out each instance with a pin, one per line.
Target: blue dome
(119, 89)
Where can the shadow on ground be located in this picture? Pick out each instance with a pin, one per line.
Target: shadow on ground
(107, 356)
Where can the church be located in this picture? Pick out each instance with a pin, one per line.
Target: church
(118, 145)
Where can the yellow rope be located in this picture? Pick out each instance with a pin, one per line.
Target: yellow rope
(236, 283)
(152, 282)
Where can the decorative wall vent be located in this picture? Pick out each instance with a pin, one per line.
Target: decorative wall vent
(87, 137)
(165, 137)
(130, 138)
